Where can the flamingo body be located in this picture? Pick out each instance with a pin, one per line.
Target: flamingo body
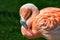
(48, 23)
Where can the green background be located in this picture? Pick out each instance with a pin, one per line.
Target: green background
(9, 17)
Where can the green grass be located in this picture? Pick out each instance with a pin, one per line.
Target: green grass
(9, 17)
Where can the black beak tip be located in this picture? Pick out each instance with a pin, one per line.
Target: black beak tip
(24, 24)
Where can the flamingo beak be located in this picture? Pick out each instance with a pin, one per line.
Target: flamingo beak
(23, 22)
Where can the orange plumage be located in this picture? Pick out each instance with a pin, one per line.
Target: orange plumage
(45, 23)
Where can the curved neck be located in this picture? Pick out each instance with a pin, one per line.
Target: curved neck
(26, 11)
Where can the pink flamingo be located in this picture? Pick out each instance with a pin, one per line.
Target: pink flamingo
(44, 24)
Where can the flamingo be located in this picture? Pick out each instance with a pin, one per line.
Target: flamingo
(45, 23)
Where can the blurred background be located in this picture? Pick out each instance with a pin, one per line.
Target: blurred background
(9, 17)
